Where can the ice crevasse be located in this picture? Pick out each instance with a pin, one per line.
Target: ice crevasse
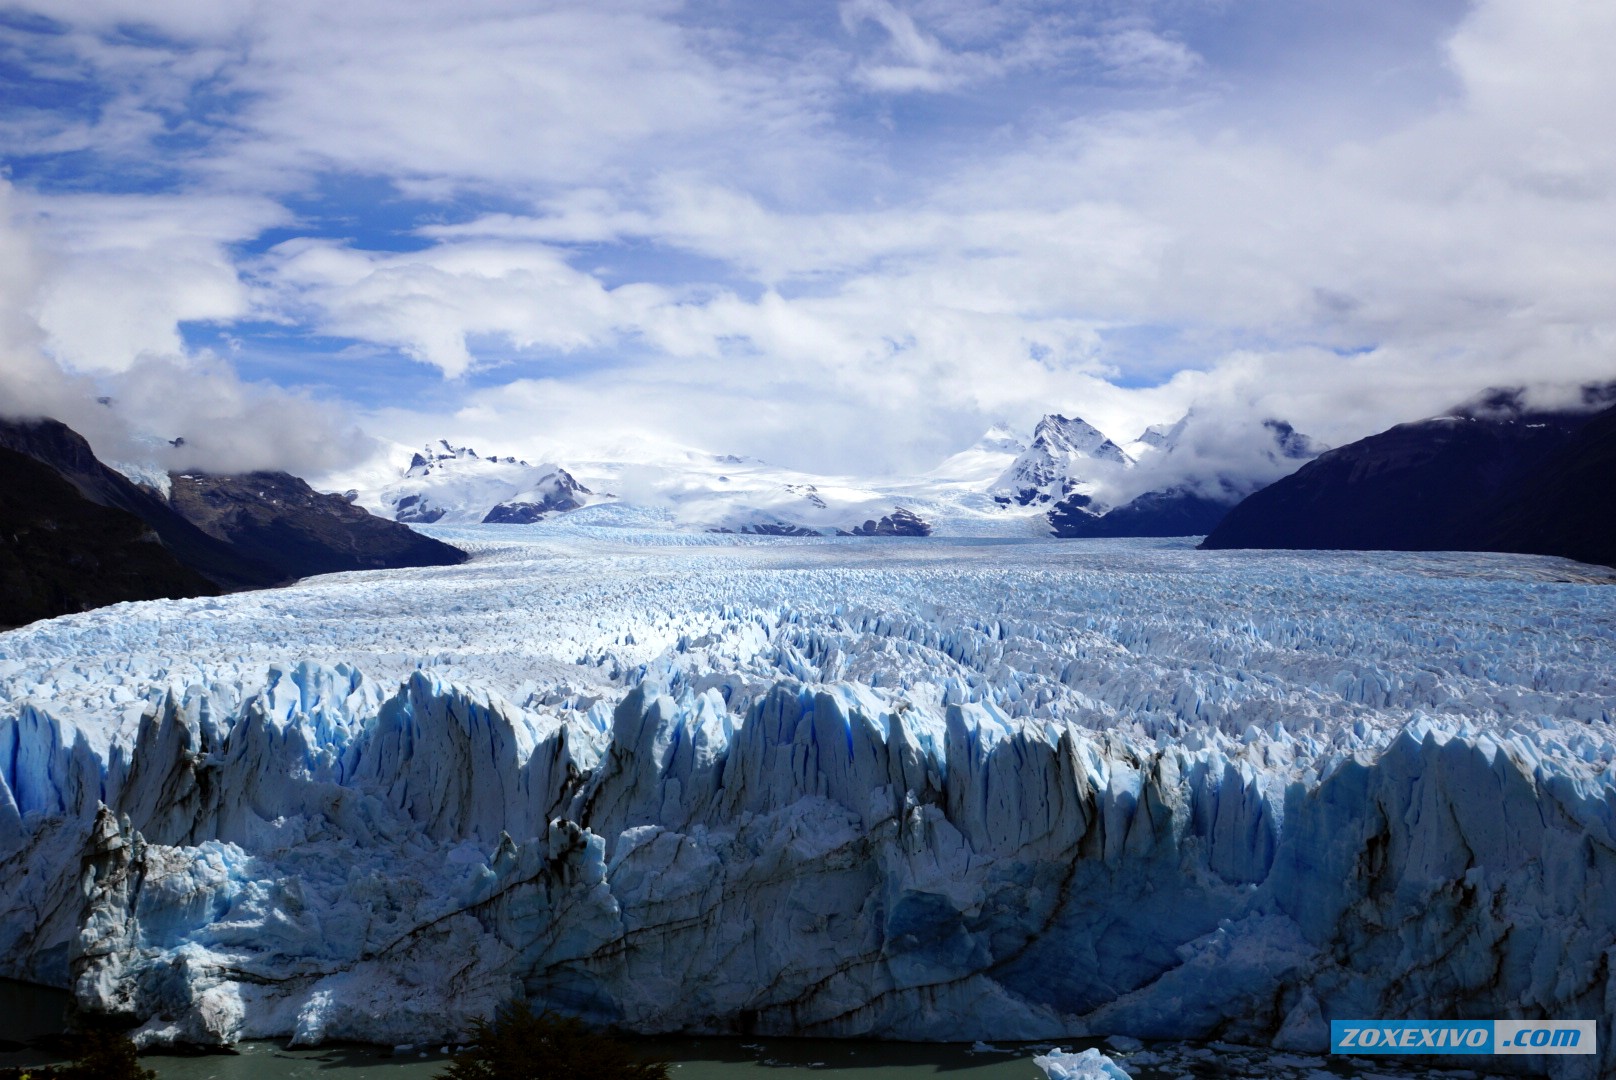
(328, 858)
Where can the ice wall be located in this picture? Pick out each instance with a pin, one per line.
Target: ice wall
(332, 859)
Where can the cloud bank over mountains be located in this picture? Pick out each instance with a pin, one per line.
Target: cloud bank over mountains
(844, 238)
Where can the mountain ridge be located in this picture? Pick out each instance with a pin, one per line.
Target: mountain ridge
(216, 533)
(61, 552)
(1480, 477)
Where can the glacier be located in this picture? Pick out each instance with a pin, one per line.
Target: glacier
(926, 789)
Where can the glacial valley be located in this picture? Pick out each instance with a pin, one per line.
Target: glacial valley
(943, 788)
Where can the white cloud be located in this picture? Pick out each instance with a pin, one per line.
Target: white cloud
(57, 263)
(228, 425)
(758, 229)
(986, 42)
(125, 271)
(430, 303)
(1140, 52)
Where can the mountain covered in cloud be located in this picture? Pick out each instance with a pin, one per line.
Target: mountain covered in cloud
(1192, 472)
(1494, 474)
(64, 451)
(1154, 437)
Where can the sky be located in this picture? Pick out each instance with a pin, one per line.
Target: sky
(844, 237)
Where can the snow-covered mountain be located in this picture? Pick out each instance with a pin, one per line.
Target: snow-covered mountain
(650, 483)
(985, 460)
(708, 784)
(1154, 437)
(1065, 457)
(1003, 483)
(455, 485)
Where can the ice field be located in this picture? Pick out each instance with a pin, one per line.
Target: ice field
(932, 789)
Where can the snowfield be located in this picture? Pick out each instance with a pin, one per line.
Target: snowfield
(950, 788)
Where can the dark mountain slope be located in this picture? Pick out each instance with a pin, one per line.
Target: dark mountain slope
(1175, 512)
(58, 446)
(1213, 476)
(90, 536)
(1567, 506)
(61, 553)
(277, 519)
(1492, 477)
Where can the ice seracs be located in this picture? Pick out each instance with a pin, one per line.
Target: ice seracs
(967, 790)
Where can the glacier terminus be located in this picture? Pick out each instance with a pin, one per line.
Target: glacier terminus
(946, 788)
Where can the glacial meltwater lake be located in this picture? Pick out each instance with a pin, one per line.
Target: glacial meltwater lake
(28, 1013)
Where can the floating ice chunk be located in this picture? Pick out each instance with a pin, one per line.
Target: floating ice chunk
(1089, 1065)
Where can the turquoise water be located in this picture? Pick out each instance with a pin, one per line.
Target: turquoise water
(29, 1012)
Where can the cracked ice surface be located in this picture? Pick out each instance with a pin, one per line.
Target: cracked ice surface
(930, 789)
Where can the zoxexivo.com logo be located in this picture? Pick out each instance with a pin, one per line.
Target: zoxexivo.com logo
(1463, 1037)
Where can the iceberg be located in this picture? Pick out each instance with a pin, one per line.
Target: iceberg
(1089, 1065)
(977, 791)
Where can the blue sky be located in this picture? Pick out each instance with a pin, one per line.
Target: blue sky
(842, 236)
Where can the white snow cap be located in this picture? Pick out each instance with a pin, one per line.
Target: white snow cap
(1067, 454)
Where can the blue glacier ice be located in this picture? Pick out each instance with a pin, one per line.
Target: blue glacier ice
(1088, 1065)
(914, 790)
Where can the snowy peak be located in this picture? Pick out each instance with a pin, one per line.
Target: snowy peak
(456, 485)
(1065, 455)
(434, 458)
(1163, 438)
(1000, 439)
(1156, 436)
(983, 461)
(1072, 435)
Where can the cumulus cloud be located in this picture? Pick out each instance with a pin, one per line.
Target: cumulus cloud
(223, 424)
(123, 272)
(130, 404)
(845, 237)
(430, 303)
